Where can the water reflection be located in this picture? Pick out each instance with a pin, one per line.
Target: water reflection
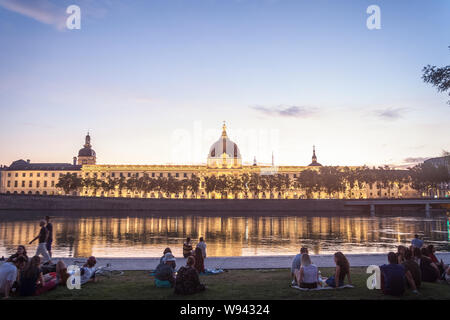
(146, 235)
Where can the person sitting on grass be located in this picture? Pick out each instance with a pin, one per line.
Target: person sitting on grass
(296, 263)
(166, 250)
(21, 252)
(187, 248)
(87, 272)
(434, 259)
(308, 275)
(199, 262)
(32, 281)
(392, 277)
(430, 271)
(165, 271)
(8, 275)
(342, 270)
(401, 254)
(412, 272)
(187, 281)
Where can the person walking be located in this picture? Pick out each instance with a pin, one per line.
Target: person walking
(42, 247)
(49, 227)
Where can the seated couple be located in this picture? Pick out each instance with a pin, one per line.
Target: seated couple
(186, 281)
(307, 275)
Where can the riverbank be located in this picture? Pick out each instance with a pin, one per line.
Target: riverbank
(291, 206)
(253, 262)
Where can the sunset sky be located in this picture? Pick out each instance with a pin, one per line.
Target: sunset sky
(154, 80)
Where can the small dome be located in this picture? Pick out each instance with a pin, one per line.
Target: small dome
(224, 152)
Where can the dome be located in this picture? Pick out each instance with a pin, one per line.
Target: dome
(86, 152)
(224, 152)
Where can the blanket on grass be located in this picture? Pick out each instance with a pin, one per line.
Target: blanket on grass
(208, 272)
(322, 288)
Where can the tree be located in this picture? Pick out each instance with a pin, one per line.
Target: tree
(438, 77)
(194, 184)
(69, 182)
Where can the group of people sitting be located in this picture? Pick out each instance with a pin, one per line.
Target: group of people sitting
(409, 267)
(23, 276)
(306, 275)
(186, 279)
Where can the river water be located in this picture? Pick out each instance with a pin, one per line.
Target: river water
(138, 234)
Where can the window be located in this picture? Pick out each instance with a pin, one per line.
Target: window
(87, 174)
(9, 183)
(23, 184)
(16, 175)
(53, 184)
(185, 175)
(121, 174)
(137, 175)
(169, 174)
(53, 174)
(103, 174)
(9, 174)
(15, 184)
(38, 174)
(45, 184)
(295, 175)
(23, 175)
(30, 184)
(177, 175)
(161, 174)
(113, 174)
(38, 183)
(153, 174)
(45, 174)
(31, 174)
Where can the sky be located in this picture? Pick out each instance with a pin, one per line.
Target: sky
(153, 81)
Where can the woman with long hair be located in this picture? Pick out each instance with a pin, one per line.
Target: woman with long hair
(308, 275)
(21, 252)
(32, 281)
(401, 254)
(199, 261)
(342, 270)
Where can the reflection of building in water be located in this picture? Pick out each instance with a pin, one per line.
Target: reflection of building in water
(225, 236)
(223, 159)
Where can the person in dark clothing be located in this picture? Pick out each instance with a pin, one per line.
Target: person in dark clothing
(430, 271)
(392, 277)
(21, 252)
(165, 271)
(412, 271)
(199, 262)
(49, 228)
(187, 281)
(32, 281)
(42, 247)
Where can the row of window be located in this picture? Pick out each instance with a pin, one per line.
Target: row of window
(137, 174)
(30, 184)
(38, 174)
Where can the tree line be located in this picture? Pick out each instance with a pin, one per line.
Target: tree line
(325, 181)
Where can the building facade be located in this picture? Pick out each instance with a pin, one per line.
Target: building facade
(223, 160)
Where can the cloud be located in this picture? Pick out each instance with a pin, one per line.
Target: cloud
(286, 111)
(390, 113)
(415, 159)
(39, 10)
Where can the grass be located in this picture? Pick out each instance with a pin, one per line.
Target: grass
(236, 285)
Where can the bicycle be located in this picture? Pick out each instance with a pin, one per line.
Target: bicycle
(105, 271)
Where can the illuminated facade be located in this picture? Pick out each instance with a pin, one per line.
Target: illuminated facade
(223, 159)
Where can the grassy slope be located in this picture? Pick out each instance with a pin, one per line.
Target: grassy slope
(235, 284)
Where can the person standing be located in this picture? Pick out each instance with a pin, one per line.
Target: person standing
(49, 241)
(202, 246)
(417, 242)
(42, 247)
(187, 248)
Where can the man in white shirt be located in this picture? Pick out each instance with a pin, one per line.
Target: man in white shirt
(8, 275)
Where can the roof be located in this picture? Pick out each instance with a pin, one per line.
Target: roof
(24, 165)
